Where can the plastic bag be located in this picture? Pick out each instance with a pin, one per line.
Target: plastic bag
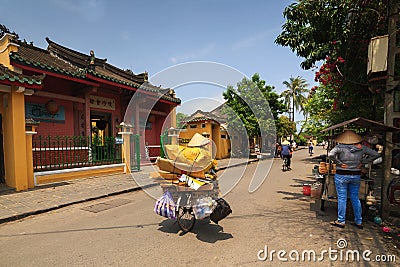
(221, 211)
(203, 208)
(165, 206)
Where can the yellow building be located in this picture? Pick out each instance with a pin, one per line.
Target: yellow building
(211, 126)
(15, 133)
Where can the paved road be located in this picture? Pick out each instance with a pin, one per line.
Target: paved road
(123, 230)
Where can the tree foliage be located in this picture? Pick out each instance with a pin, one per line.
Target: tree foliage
(180, 117)
(247, 105)
(285, 127)
(294, 94)
(336, 33)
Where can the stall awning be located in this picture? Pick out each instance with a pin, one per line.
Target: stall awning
(366, 123)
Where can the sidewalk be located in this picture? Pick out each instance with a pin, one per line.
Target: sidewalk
(44, 198)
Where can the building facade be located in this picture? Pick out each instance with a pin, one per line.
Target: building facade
(209, 125)
(75, 104)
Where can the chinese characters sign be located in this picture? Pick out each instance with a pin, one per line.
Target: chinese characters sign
(102, 102)
(39, 112)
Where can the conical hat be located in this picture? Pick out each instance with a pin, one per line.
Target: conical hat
(198, 140)
(286, 142)
(348, 137)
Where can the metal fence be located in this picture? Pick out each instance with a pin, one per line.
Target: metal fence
(64, 152)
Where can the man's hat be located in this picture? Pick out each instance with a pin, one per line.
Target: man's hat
(198, 140)
(348, 137)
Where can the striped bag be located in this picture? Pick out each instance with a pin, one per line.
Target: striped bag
(165, 206)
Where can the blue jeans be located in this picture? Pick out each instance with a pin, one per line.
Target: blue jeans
(350, 184)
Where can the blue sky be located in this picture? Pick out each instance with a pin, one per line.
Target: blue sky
(154, 35)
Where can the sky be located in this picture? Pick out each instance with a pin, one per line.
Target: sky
(156, 36)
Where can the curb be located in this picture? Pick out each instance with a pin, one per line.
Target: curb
(237, 164)
(128, 190)
(36, 212)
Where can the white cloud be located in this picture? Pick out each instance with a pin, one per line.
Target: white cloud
(251, 40)
(195, 55)
(92, 10)
(125, 35)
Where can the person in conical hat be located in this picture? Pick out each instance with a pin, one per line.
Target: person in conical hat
(198, 141)
(287, 152)
(349, 156)
(348, 137)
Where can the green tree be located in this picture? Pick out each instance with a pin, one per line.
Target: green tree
(336, 34)
(293, 96)
(180, 117)
(285, 126)
(254, 106)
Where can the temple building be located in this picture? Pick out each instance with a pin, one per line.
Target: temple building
(64, 113)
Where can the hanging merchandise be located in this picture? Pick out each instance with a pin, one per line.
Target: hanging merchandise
(192, 182)
(220, 211)
(203, 207)
(165, 206)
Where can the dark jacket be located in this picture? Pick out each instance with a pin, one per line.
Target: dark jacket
(352, 156)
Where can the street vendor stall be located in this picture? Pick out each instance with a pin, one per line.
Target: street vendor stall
(374, 134)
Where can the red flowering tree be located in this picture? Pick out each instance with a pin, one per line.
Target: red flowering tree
(335, 35)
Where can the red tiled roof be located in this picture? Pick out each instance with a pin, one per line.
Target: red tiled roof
(62, 60)
(10, 77)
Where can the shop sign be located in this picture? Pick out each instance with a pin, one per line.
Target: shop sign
(39, 112)
(102, 102)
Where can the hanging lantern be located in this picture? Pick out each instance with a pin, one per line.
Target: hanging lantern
(52, 107)
(101, 124)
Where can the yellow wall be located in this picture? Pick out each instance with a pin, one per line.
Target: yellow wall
(13, 111)
(222, 145)
(6, 47)
(76, 174)
(15, 141)
(189, 132)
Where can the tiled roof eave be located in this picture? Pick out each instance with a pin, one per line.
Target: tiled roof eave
(84, 75)
(81, 73)
(10, 77)
(130, 86)
(22, 84)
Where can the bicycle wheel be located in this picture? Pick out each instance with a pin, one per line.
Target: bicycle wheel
(284, 165)
(186, 219)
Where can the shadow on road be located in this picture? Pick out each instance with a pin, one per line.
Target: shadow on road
(205, 231)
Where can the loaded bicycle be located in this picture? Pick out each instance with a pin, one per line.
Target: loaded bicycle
(194, 204)
(202, 204)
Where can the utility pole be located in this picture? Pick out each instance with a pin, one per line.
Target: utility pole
(391, 112)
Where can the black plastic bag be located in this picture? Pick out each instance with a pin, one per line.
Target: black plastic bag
(220, 211)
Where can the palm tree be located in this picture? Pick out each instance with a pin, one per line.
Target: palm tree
(293, 97)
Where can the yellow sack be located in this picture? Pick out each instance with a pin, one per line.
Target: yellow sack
(197, 156)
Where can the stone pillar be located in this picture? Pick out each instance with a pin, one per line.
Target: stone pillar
(30, 131)
(15, 141)
(126, 146)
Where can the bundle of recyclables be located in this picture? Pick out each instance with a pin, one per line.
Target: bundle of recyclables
(190, 170)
